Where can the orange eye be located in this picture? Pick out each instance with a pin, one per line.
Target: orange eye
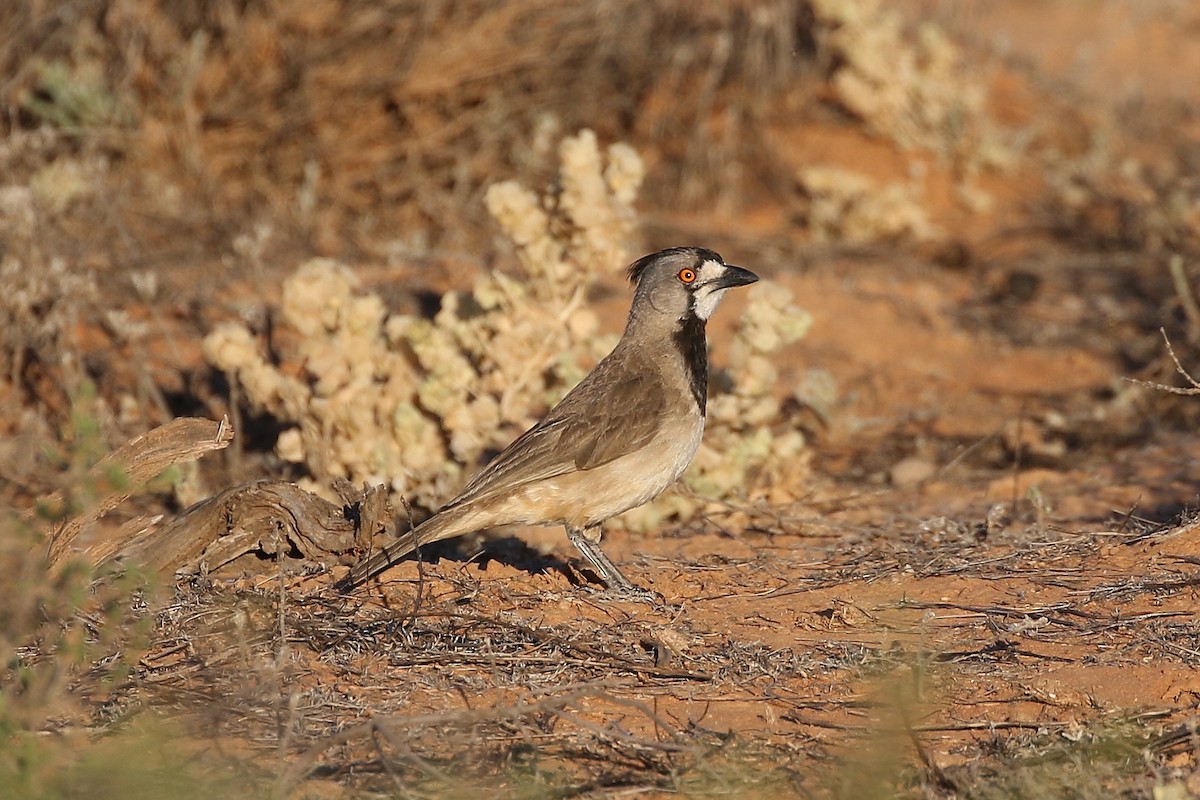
(687, 275)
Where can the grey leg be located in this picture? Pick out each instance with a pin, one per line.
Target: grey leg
(589, 547)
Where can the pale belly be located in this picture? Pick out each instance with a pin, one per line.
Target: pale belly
(589, 497)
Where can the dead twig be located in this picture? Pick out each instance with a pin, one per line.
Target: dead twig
(1187, 298)
(1162, 387)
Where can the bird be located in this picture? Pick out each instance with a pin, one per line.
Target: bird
(615, 441)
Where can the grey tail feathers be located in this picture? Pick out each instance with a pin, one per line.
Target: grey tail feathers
(446, 524)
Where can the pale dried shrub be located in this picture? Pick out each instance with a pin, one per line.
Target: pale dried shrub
(848, 206)
(415, 403)
(916, 90)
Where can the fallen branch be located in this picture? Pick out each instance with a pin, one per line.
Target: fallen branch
(137, 461)
(267, 518)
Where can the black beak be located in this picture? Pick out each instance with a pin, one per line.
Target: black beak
(735, 276)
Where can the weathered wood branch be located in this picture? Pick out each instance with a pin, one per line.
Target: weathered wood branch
(270, 519)
(140, 459)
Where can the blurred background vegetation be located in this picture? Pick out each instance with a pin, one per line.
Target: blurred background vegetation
(146, 143)
(165, 165)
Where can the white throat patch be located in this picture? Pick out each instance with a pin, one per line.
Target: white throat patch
(707, 301)
(707, 297)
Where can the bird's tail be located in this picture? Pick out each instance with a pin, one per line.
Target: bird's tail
(446, 524)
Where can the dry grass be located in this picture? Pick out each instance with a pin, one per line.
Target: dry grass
(376, 128)
(334, 688)
(450, 684)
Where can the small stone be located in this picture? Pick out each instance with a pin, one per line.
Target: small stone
(911, 471)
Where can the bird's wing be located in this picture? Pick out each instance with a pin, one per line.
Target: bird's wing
(616, 422)
(610, 414)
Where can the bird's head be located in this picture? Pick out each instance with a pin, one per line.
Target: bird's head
(684, 282)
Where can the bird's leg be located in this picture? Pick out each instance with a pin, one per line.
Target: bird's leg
(587, 542)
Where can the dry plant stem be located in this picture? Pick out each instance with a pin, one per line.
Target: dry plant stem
(402, 744)
(620, 735)
(284, 725)
(940, 777)
(1162, 387)
(968, 450)
(1187, 297)
(282, 616)
(958, 727)
(417, 597)
(235, 408)
(659, 723)
(1127, 517)
(138, 460)
(1028, 726)
(385, 762)
(1018, 452)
